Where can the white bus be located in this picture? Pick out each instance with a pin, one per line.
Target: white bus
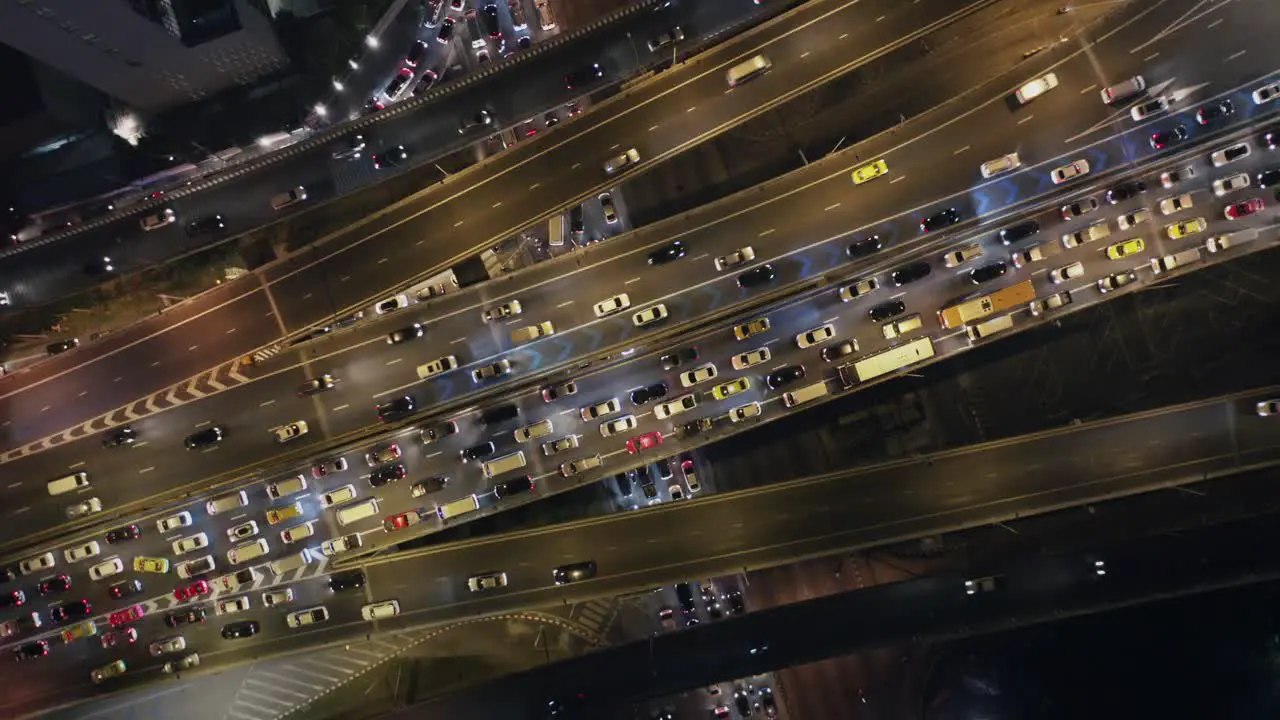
(461, 506)
(887, 361)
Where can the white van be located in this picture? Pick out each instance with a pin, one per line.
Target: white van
(747, 70)
(504, 464)
(532, 332)
(436, 367)
(285, 488)
(534, 431)
(290, 562)
(805, 394)
(244, 552)
(461, 506)
(67, 483)
(1176, 260)
(234, 581)
(357, 512)
(227, 503)
(199, 566)
(988, 328)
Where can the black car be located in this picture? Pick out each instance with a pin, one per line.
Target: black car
(684, 594)
(397, 408)
(349, 580)
(405, 334)
(767, 703)
(445, 33)
(910, 273)
(576, 225)
(1267, 178)
(75, 610)
(387, 474)
(120, 437)
(864, 247)
(838, 350)
(574, 572)
(887, 310)
(438, 432)
(190, 616)
(390, 157)
(756, 277)
(987, 273)
(1019, 232)
(663, 467)
(489, 16)
(1217, 111)
(1125, 191)
(31, 650)
(676, 358)
(741, 701)
(667, 253)
(623, 483)
(61, 346)
(416, 52)
(125, 589)
(316, 385)
(784, 376)
(482, 118)
(475, 452)
(8, 575)
(13, 598)
(99, 266)
(695, 427)
(648, 393)
(514, 486)
(207, 437)
(1272, 139)
(499, 414)
(940, 219)
(736, 604)
(648, 489)
(1162, 139)
(583, 75)
(241, 629)
(205, 225)
(124, 534)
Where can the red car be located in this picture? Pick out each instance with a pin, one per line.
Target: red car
(195, 589)
(111, 639)
(126, 616)
(402, 521)
(1240, 209)
(644, 442)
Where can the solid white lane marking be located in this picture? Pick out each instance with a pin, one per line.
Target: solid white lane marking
(341, 407)
(268, 402)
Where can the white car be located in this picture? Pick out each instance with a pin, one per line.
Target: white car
(310, 616)
(742, 361)
(1116, 281)
(702, 373)
(676, 492)
(291, 431)
(858, 288)
(272, 598)
(80, 552)
(339, 545)
(158, 220)
(190, 543)
(391, 304)
(809, 338)
(662, 411)
(185, 663)
(960, 256)
(173, 522)
(1170, 178)
(1002, 164)
(610, 210)
(103, 570)
(1175, 204)
(741, 256)
(1035, 88)
(1053, 302)
(612, 305)
(567, 442)
(1266, 93)
(37, 563)
(1267, 408)
(1136, 217)
(298, 532)
(234, 605)
(505, 310)
(1217, 243)
(89, 506)
(575, 467)
(1225, 185)
(745, 412)
(1076, 169)
(599, 410)
(242, 531)
(487, 581)
(618, 162)
(379, 610)
(1230, 154)
(177, 643)
(439, 366)
(617, 425)
(650, 315)
(1066, 272)
(337, 496)
(1144, 110)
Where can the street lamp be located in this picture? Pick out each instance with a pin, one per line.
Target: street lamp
(371, 41)
(321, 110)
(337, 85)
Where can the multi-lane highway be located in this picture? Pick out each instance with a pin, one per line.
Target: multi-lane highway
(373, 372)
(471, 211)
(703, 538)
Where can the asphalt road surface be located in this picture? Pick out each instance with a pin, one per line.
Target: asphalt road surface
(368, 375)
(702, 538)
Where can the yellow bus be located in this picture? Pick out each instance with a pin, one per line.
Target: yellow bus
(977, 307)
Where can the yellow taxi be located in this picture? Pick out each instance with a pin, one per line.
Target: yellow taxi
(754, 327)
(1186, 227)
(870, 171)
(1121, 250)
(79, 630)
(150, 564)
(280, 514)
(731, 388)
